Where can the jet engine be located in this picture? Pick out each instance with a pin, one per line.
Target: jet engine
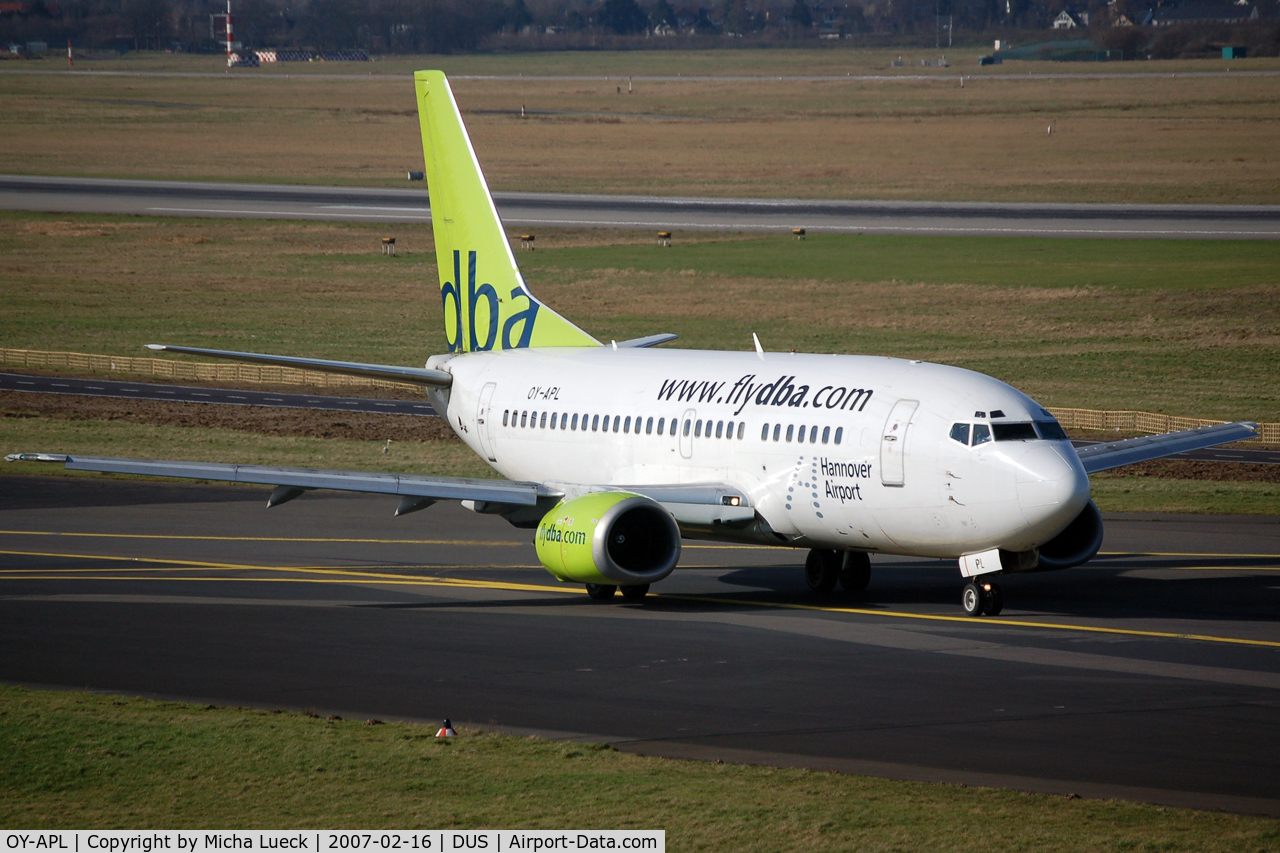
(609, 538)
(1076, 544)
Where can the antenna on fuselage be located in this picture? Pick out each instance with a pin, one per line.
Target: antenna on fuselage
(759, 349)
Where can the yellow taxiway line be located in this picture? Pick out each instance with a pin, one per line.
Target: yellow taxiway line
(339, 575)
(466, 542)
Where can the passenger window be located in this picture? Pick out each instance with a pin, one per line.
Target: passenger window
(728, 430)
(564, 420)
(648, 427)
(574, 423)
(960, 432)
(981, 434)
(839, 434)
(719, 428)
(813, 434)
(555, 416)
(616, 418)
(764, 433)
(505, 414)
(697, 429)
(524, 419)
(688, 425)
(791, 430)
(626, 426)
(543, 424)
(595, 422)
(776, 429)
(826, 434)
(662, 423)
(800, 436)
(742, 427)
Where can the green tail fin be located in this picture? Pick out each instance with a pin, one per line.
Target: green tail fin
(487, 305)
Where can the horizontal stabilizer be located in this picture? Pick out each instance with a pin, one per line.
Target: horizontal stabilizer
(438, 488)
(390, 373)
(647, 341)
(1113, 454)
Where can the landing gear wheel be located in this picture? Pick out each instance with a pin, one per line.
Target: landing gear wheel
(973, 599)
(822, 570)
(635, 592)
(994, 601)
(601, 591)
(855, 574)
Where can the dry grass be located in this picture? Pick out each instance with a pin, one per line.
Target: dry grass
(1175, 139)
(1187, 328)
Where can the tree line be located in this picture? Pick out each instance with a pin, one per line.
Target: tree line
(458, 26)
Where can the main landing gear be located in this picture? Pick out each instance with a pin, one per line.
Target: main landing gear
(603, 591)
(823, 569)
(982, 596)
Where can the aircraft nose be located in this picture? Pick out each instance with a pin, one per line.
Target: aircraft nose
(1051, 483)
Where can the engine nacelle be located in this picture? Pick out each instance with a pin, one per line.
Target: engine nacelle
(609, 538)
(1075, 545)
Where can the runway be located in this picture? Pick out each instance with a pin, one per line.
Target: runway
(1151, 674)
(225, 396)
(552, 210)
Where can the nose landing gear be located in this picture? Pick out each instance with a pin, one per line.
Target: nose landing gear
(981, 597)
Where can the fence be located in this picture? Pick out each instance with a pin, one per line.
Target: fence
(1095, 419)
(257, 374)
(1146, 422)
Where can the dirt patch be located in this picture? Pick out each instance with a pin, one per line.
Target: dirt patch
(1191, 469)
(311, 423)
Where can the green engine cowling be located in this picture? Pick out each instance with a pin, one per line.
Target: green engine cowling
(609, 538)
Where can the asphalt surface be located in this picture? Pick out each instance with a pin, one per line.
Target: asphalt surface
(533, 210)
(1152, 674)
(225, 396)
(241, 397)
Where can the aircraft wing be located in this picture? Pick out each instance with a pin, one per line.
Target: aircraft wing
(1112, 454)
(291, 482)
(392, 373)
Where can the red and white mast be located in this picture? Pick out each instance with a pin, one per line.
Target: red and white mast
(230, 56)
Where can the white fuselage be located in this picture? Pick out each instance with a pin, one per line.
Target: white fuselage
(877, 468)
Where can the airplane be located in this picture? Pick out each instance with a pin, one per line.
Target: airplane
(615, 452)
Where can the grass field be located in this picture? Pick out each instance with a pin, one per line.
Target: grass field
(74, 760)
(1117, 138)
(1188, 328)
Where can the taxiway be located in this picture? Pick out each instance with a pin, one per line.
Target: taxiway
(1152, 674)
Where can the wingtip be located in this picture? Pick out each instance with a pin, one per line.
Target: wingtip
(157, 347)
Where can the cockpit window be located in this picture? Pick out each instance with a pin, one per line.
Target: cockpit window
(981, 434)
(1014, 432)
(960, 433)
(1051, 431)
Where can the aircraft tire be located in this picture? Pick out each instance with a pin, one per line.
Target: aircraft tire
(973, 600)
(822, 570)
(995, 601)
(855, 573)
(635, 592)
(601, 591)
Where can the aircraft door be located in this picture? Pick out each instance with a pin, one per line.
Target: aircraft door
(893, 442)
(482, 420)
(686, 433)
